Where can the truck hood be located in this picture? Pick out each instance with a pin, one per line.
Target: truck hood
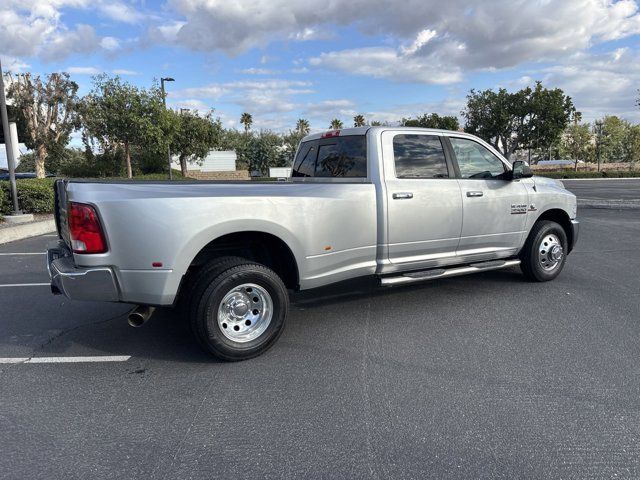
(553, 182)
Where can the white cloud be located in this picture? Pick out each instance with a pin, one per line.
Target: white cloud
(599, 84)
(475, 35)
(259, 71)
(119, 11)
(390, 63)
(35, 28)
(98, 71)
(124, 71)
(110, 43)
(83, 70)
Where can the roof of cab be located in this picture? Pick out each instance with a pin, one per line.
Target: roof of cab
(343, 132)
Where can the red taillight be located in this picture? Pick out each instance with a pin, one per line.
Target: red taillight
(85, 230)
(331, 133)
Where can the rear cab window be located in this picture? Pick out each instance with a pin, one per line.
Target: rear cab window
(335, 157)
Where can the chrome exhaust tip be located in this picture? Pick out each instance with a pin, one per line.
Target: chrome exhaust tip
(139, 315)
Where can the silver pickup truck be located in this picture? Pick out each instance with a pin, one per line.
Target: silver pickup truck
(402, 204)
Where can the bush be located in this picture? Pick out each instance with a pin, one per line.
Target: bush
(35, 195)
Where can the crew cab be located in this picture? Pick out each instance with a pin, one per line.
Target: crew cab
(402, 204)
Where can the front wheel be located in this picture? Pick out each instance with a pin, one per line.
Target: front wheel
(545, 252)
(238, 309)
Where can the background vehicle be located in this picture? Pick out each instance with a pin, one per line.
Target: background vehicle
(403, 204)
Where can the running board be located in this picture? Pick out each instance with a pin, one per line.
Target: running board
(413, 277)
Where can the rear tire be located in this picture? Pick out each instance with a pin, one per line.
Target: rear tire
(545, 252)
(237, 308)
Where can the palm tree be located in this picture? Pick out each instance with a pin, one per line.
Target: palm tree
(335, 124)
(302, 126)
(359, 121)
(246, 119)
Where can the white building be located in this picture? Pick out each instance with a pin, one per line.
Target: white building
(3, 155)
(215, 161)
(280, 172)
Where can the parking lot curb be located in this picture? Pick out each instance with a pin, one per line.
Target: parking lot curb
(26, 230)
(610, 204)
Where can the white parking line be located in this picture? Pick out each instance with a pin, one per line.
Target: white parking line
(22, 253)
(25, 285)
(106, 358)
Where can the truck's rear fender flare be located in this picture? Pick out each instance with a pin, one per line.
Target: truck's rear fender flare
(209, 243)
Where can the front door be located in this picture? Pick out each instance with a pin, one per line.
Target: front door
(494, 209)
(424, 205)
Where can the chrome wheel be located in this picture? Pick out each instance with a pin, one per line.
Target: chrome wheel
(550, 252)
(245, 312)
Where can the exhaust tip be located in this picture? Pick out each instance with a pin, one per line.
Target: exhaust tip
(139, 315)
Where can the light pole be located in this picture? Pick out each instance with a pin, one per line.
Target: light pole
(164, 102)
(11, 162)
(598, 131)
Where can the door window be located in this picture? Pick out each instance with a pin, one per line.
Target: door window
(419, 156)
(475, 161)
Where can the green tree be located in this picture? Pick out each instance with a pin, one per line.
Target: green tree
(359, 121)
(614, 138)
(433, 120)
(632, 143)
(116, 113)
(303, 127)
(336, 124)
(528, 118)
(195, 137)
(576, 142)
(47, 110)
(247, 120)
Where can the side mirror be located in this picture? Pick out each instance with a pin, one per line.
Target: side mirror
(520, 170)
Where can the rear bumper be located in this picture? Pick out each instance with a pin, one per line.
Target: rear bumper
(575, 231)
(78, 283)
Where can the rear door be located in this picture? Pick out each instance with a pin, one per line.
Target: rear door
(494, 209)
(424, 205)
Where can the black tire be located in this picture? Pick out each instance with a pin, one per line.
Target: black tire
(211, 285)
(530, 256)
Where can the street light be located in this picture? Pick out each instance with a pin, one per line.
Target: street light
(164, 102)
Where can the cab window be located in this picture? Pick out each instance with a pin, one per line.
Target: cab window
(336, 157)
(476, 161)
(419, 156)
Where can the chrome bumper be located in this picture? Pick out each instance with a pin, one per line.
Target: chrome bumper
(78, 283)
(575, 230)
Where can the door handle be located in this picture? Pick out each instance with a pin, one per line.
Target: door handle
(402, 195)
(474, 194)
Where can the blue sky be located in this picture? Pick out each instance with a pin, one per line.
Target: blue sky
(281, 60)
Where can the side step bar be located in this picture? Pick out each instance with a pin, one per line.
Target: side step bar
(413, 277)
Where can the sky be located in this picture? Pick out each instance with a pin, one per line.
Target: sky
(281, 60)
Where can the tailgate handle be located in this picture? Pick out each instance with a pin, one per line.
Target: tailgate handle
(474, 194)
(402, 195)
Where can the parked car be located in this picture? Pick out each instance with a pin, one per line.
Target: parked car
(402, 204)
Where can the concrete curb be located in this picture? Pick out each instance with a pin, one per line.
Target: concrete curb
(594, 179)
(610, 204)
(26, 230)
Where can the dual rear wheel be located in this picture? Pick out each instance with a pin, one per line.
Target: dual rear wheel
(237, 308)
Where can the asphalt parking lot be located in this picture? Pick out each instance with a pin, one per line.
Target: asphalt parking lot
(483, 376)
